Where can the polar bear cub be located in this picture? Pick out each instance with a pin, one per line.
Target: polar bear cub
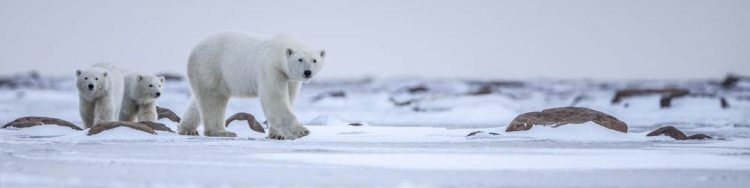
(242, 65)
(100, 90)
(139, 99)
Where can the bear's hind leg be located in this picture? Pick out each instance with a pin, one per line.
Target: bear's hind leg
(190, 120)
(212, 112)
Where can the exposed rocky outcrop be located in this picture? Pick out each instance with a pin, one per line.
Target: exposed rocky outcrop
(732, 79)
(251, 122)
(677, 134)
(35, 121)
(166, 113)
(103, 126)
(666, 94)
(156, 126)
(565, 115)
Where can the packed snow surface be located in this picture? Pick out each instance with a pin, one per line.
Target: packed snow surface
(407, 138)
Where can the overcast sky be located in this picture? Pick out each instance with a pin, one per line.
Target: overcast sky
(473, 39)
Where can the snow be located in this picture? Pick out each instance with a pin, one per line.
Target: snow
(396, 146)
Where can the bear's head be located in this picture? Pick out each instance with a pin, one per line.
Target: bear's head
(303, 64)
(148, 87)
(92, 83)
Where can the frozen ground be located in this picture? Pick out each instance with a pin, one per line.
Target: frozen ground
(420, 144)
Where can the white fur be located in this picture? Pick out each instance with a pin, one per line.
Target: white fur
(139, 99)
(241, 65)
(102, 102)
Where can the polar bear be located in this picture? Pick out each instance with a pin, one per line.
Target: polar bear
(139, 99)
(100, 90)
(244, 65)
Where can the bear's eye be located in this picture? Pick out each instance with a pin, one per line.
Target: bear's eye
(86, 78)
(315, 60)
(150, 85)
(300, 60)
(97, 78)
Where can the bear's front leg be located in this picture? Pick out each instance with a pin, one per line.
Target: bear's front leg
(86, 108)
(104, 110)
(275, 99)
(147, 112)
(128, 110)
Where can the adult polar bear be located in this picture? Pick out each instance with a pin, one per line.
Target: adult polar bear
(243, 65)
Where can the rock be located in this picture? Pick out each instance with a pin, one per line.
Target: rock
(418, 89)
(731, 80)
(482, 90)
(724, 103)
(473, 133)
(477, 132)
(699, 137)
(251, 122)
(31, 121)
(667, 94)
(356, 124)
(676, 134)
(103, 126)
(331, 94)
(488, 87)
(156, 126)
(166, 113)
(565, 115)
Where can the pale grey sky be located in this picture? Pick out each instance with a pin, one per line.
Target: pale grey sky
(473, 39)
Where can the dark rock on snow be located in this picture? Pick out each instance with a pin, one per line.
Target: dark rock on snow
(565, 115)
(31, 121)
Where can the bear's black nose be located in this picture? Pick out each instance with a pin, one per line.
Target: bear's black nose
(91, 86)
(308, 73)
(158, 94)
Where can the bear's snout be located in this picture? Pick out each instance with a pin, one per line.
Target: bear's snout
(158, 94)
(91, 86)
(308, 73)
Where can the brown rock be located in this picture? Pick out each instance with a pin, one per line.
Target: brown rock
(669, 131)
(699, 137)
(156, 126)
(103, 126)
(667, 94)
(251, 122)
(676, 134)
(31, 121)
(166, 113)
(565, 115)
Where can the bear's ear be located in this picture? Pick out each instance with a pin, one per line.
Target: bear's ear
(161, 78)
(105, 74)
(322, 53)
(140, 78)
(78, 72)
(289, 52)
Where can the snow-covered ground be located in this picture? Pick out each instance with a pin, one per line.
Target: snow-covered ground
(419, 144)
